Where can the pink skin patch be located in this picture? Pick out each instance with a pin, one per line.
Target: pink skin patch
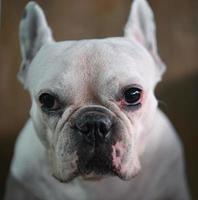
(73, 161)
(134, 166)
(117, 154)
(122, 103)
(139, 37)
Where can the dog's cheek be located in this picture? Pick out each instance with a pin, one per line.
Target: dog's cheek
(133, 127)
(125, 159)
(132, 168)
(44, 124)
(138, 124)
(64, 169)
(63, 157)
(130, 163)
(118, 151)
(39, 124)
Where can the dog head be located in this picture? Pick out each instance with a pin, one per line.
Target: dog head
(93, 101)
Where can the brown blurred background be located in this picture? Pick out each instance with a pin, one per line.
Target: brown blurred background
(177, 22)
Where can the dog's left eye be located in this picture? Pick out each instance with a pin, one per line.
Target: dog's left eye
(49, 102)
(132, 96)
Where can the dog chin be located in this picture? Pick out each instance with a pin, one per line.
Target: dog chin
(114, 172)
(95, 176)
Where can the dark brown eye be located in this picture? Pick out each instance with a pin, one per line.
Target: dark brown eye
(132, 96)
(49, 102)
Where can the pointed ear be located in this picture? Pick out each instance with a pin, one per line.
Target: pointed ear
(141, 27)
(34, 33)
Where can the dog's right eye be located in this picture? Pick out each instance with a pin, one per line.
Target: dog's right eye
(49, 102)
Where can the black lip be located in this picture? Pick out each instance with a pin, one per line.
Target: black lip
(98, 161)
(102, 172)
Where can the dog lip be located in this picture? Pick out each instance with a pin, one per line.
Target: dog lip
(92, 177)
(67, 179)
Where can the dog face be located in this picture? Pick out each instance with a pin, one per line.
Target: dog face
(92, 100)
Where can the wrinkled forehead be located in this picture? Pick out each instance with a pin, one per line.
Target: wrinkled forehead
(91, 61)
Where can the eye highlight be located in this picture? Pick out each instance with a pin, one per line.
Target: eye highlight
(49, 102)
(132, 96)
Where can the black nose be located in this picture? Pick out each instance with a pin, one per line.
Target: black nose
(94, 126)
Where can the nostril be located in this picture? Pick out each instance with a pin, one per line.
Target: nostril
(103, 128)
(84, 128)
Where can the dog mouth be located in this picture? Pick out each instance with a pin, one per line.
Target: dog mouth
(100, 146)
(103, 161)
(92, 172)
(95, 164)
(98, 166)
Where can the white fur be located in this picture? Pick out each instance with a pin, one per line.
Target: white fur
(84, 73)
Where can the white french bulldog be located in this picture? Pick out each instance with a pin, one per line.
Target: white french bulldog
(95, 131)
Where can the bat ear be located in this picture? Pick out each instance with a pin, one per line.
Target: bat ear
(34, 32)
(141, 27)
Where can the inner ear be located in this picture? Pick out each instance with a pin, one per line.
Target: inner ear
(141, 27)
(34, 32)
